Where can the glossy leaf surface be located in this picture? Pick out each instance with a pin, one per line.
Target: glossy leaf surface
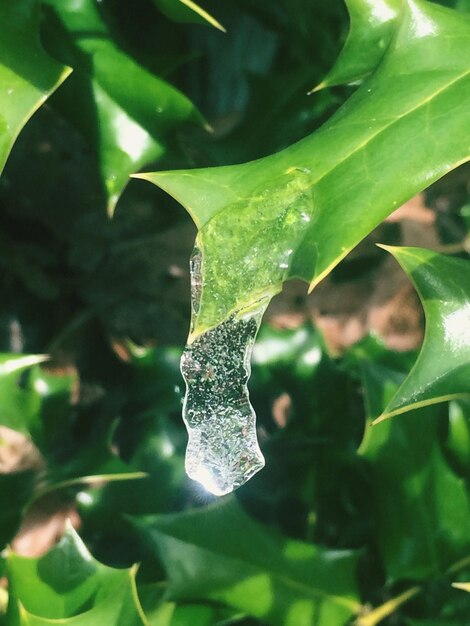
(300, 211)
(126, 132)
(416, 493)
(372, 26)
(219, 553)
(18, 406)
(442, 370)
(68, 582)
(27, 74)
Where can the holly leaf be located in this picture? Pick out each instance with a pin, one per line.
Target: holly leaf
(18, 406)
(105, 613)
(163, 613)
(218, 553)
(372, 27)
(422, 507)
(187, 11)
(38, 406)
(124, 131)
(27, 74)
(458, 436)
(297, 213)
(69, 585)
(442, 370)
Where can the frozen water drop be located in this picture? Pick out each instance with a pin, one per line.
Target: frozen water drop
(223, 451)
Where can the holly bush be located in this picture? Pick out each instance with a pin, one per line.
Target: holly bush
(362, 513)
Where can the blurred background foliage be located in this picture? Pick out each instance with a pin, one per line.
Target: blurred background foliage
(345, 522)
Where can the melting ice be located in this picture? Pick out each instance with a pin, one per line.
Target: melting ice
(223, 451)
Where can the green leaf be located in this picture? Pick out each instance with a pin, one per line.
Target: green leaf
(93, 463)
(432, 622)
(372, 26)
(187, 11)
(39, 408)
(18, 406)
(458, 438)
(68, 582)
(162, 613)
(422, 508)
(51, 393)
(125, 131)
(442, 370)
(108, 612)
(27, 74)
(218, 553)
(297, 213)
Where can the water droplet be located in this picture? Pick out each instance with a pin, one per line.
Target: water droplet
(223, 451)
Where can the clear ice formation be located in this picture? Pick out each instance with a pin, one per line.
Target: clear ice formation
(223, 451)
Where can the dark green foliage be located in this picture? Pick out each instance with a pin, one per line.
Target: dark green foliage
(349, 522)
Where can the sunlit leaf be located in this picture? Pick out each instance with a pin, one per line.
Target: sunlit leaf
(125, 131)
(422, 507)
(373, 23)
(299, 212)
(160, 612)
(218, 553)
(27, 74)
(442, 370)
(68, 582)
(18, 406)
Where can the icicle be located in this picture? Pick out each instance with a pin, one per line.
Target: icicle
(223, 451)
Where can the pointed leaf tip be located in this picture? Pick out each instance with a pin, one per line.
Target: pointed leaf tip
(441, 370)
